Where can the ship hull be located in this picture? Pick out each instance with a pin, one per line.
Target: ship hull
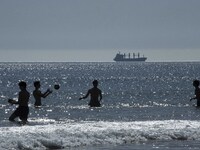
(131, 60)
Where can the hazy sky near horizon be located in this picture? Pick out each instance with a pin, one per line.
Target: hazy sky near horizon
(94, 30)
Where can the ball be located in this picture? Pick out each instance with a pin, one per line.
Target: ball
(56, 86)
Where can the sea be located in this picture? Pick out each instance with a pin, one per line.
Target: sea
(145, 105)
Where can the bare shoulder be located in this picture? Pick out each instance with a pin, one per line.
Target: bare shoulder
(99, 90)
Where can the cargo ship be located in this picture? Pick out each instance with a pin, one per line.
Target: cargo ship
(129, 57)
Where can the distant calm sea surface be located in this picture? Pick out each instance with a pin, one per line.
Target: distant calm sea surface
(144, 106)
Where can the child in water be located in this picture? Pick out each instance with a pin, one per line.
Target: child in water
(95, 95)
(197, 92)
(22, 110)
(38, 94)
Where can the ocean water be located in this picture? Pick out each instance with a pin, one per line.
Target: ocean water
(144, 106)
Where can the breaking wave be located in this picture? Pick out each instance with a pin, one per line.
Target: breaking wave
(69, 134)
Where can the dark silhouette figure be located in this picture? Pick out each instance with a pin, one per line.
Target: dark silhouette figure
(197, 92)
(95, 95)
(38, 94)
(22, 110)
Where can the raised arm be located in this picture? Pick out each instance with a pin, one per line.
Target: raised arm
(193, 98)
(11, 101)
(88, 93)
(100, 95)
(46, 93)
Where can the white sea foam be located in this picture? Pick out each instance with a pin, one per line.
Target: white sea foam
(65, 134)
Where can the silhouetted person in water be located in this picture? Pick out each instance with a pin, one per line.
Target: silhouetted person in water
(38, 95)
(197, 92)
(22, 110)
(95, 95)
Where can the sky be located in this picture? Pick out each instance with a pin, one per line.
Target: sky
(95, 30)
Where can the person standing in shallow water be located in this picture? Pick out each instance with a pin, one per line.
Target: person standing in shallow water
(197, 92)
(38, 95)
(95, 95)
(23, 98)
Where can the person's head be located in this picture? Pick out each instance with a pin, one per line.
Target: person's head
(22, 85)
(95, 83)
(196, 83)
(37, 84)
